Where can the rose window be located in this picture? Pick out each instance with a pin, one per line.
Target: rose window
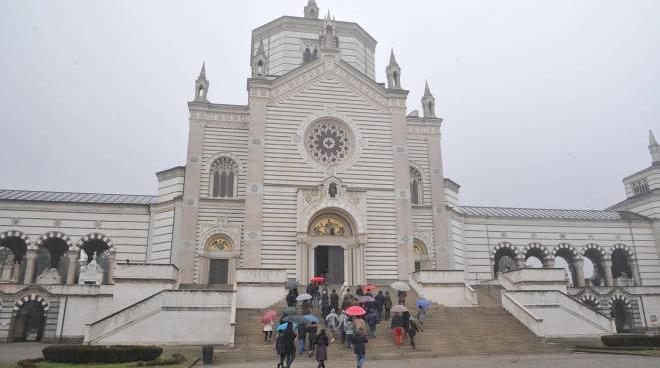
(328, 142)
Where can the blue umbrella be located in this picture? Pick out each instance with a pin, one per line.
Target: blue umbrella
(424, 303)
(310, 318)
(282, 327)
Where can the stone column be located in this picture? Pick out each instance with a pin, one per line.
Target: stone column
(231, 277)
(111, 267)
(442, 241)
(634, 267)
(347, 266)
(607, 268)
(549, 263)
(183, 249)
(404, 226)
(300, 244)
(520, 262)
(254, 190)
(71, 268)
(360, 264)
(31, 257)
(579, 272)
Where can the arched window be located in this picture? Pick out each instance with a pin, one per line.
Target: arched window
(422, 261)
(595, 257)
(307, 56)
(315, 54)
(260, 68)
(224, 175)
(504, 260)
(621, 265)
(416, 191)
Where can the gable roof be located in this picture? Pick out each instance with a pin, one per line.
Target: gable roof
(72, 197)
(538, 213)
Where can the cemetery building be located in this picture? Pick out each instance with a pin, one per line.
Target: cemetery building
(327, 171)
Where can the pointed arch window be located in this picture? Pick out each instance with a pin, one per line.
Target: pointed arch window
(224, 178)
(315, 54)
(307, 56)
(416, 191)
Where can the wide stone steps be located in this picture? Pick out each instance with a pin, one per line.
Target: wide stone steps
(447, 331)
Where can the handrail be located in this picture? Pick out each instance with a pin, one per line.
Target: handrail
(126, 308)
(522, 307)
(232, 316)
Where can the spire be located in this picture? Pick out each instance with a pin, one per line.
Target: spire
(202, 73)
(392, 58)
(428, 102)
(652, 141)
(261, 48)
(654, 149)
(259, 61)
(311, 10)
(201, 85)
(393, 72)
(427, 90)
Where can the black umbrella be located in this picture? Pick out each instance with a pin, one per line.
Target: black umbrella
(290, 285)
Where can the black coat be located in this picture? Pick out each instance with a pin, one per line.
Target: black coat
(397, 321)
(359, 343)
(285, 343)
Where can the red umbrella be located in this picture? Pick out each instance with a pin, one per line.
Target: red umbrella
(268, 316)
(319, 279)
(369, 288)
(355, 311)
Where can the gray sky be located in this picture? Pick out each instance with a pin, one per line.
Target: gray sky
(546, 103)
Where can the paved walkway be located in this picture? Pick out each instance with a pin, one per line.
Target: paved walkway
(570, 360)
(11, 353)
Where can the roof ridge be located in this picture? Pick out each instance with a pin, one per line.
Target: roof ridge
(539, 209)
(64, 192)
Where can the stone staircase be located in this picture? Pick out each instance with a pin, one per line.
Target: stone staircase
(487, 329)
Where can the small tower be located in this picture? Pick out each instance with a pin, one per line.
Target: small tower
(201, 85)
(259, 62)
(654, 149)
(428, 102)
(393, 72)
(311, 10)
(328, 37)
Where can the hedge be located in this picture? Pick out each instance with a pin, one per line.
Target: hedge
(176, 358)
(101, 354)
(630, 340)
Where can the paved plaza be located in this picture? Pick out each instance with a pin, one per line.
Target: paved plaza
(569, 360)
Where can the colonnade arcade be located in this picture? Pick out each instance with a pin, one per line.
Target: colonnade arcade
(332, 247)
(612, 266)
(54, 258)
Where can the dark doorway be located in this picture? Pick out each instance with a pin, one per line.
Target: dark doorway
(218, 271)
(329, 263)
(29, 323)
(622, 317)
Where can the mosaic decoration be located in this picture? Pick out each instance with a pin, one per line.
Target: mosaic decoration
(219, 245)
(329, 226)
(328, 142)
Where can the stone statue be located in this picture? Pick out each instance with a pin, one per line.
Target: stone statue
(50, 276)
(90, 273)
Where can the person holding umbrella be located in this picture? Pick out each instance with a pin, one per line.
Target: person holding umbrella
(291, 299)
(421, 314)
(285, 346)
(372, 321)
(267, 323)
(412, 331)
(332, 321)
(397, 329)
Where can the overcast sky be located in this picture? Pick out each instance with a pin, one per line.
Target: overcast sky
(546, 103)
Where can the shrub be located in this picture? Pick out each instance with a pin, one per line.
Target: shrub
(100, 354)
(631, 340)
(176, 358)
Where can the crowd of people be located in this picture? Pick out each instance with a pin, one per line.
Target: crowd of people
(354, 331)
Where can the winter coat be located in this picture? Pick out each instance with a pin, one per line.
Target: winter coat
(349, 327)
(412, 329)
(372, 319)
(359, 343)
(334, 300)
(331, 320)
(302, 331)
(285, 343)
(360, 325)
(380, 301)
(322, 347)
(306, 307)
(397, 321)
(341, 321)
(388, 302)
(291, 299)
(311, 332)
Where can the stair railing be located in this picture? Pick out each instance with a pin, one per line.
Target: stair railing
(232, 316)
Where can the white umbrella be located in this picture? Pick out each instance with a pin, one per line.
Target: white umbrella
(303, 296)
(398, 285)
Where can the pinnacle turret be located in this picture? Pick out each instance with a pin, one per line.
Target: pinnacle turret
(393, 72)
(654, 149)
(428, 102)
(311, 10)
(201, 85)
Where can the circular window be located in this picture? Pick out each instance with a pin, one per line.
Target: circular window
(328, 142)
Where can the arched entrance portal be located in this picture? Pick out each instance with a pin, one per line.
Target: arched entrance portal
(29, 322)
(331, 249)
